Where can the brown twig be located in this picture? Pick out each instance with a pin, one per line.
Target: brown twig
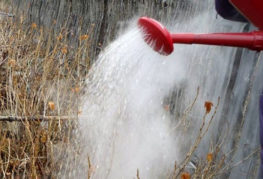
(202, 131)
(34, 118)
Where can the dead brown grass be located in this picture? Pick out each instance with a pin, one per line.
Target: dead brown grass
(41, 78)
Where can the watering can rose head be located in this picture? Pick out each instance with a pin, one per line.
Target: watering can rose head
(156, 35)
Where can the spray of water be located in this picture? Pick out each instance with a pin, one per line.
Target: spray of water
(124, 122)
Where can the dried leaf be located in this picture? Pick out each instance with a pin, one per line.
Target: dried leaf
(33, 25)
(84, 37)
(209, 157)
(208, 106)
(76, 89)
(64, 50)
(51, 105)
(43, 138)
(185, 175)
(59, 37)
(11, 63)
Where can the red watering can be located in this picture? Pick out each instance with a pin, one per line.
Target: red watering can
(162, 40)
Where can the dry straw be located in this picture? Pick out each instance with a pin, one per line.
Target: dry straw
(41, 80)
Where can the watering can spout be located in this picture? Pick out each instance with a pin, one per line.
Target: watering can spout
(160, 39)
(251, 40)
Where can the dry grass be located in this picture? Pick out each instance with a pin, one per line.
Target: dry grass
(40, 85)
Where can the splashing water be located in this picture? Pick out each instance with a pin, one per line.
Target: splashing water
(124, 122)
(126, 125)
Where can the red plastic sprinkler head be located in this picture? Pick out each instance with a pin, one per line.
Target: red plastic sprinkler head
(158, 37)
